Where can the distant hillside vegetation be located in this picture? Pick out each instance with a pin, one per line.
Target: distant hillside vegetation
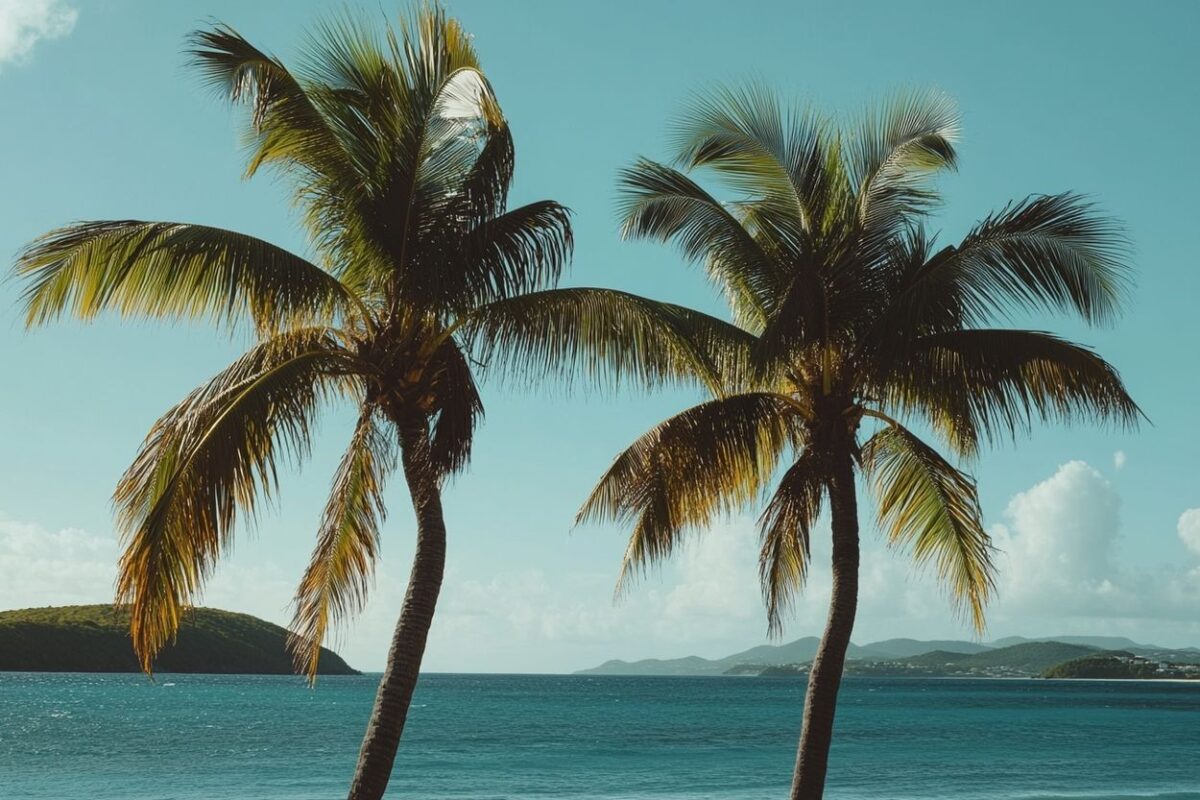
(1119, 664)
(1021, 660)
(1122, 664)
(96, 639)
(1032, 657)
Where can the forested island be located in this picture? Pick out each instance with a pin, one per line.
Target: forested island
(1122, 665)
(96, 639)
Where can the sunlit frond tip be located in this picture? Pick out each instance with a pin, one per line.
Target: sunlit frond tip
(208, 460)
(338, 577)
(927, 504)
(785, 528)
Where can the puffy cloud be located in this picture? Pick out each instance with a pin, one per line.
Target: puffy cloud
(1059, 540)
(23, 23)
(1060, 562)
(43, 568)
(1188, 528)
(1118, 459)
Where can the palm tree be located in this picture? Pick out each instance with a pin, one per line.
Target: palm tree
(400, 161)
(850, 323)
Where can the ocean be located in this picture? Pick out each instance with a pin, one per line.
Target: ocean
(494, 737)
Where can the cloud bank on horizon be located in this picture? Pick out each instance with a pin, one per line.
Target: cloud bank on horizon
(24, 23)
(1059, 573)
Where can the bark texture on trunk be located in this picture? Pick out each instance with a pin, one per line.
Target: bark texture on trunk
(825, 678)
(408, 642)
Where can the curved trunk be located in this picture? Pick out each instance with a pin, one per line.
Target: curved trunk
(408, 642)
(825, 677)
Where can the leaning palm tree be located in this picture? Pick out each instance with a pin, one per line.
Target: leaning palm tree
(851, 324)
(400, 162)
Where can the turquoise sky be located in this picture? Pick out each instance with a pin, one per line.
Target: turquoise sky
(102, 119)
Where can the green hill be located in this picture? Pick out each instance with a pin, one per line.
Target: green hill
(1018, 660)
(1118, 664)
(1031, 657)
(1122, 664)
(96, 639)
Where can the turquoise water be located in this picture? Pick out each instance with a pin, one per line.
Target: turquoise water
(486, 737)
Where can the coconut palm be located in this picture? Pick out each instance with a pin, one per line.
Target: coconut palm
(400, 161)
(851, 325)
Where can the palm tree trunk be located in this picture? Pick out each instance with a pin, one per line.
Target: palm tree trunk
(408, 642)
(825, 677)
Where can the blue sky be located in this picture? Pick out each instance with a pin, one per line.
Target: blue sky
(102, 119)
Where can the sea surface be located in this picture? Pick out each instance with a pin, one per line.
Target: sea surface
(487, 737)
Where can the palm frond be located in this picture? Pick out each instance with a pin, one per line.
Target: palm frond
(210, 457)
(661, 203)
(457, 410)
(785, 526)
(710, 459)
(763, 151)
(338, 577)
(899, 144)
(165, 269)
(1049, 252)
(928, 505)
(519, 251)
(287, 125)
(416, 115)
(606, 334)
(994, 383)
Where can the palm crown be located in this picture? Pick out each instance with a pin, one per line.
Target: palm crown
(845, 310)
(400, 162)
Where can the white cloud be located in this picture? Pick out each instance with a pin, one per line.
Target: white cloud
(43, 568)
(1061, 563)
(1188, 528)
(1119, 459)
(1059, 539)
(23, 23)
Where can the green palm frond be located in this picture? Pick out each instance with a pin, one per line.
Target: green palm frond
(1048, 252)
(606, 332)
(458, 410)
(711, 459)
(519, 251)
(994, 383)
(928, 505)
(203, 462)
(786, 525)
(658, 202)
(338, 577)
(899, 144)
(763, 151)
(165, 269)
(287, 126)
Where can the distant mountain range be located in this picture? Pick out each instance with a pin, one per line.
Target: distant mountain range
(1011, 655)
